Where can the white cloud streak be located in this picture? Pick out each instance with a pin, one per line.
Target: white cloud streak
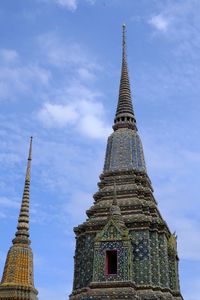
(175, 188)
(62, 54)
(70, 5)
(75, 105)
(17, 77)
(86, 116)
(57, 115)
(8, 55)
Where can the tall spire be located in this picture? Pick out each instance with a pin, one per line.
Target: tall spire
(18, 280)
(124, 117)
(22, 233)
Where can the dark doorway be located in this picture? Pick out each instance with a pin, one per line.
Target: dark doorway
(111, 262)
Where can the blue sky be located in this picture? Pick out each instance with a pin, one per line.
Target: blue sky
(59, 77)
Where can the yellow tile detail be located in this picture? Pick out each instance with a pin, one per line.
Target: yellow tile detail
(18, 268)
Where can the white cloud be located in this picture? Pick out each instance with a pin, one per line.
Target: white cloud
(93, 127)
(85, 115)
(160, 22)
(56, 115)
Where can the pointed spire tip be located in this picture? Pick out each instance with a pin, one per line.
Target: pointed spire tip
(30, 149)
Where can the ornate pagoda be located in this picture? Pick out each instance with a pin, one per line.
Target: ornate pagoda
(18, 282)
(125, 250)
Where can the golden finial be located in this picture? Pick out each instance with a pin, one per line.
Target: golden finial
(28, 171)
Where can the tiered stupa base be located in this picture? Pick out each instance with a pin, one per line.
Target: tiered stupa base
(126, 291)
(17, 292)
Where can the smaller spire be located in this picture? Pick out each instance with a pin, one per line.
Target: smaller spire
(114, 195)
(115, 209)
(124, 117)
(22, 233)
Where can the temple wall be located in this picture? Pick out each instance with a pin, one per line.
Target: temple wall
(173, 272)
(163, 260)
(83, 263)
(154, 256)
(141, 258)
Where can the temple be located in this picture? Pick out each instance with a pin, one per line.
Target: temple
(125, 250)
(18, 282)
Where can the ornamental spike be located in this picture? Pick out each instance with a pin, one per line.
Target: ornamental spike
(115, 209)
(114, 195)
